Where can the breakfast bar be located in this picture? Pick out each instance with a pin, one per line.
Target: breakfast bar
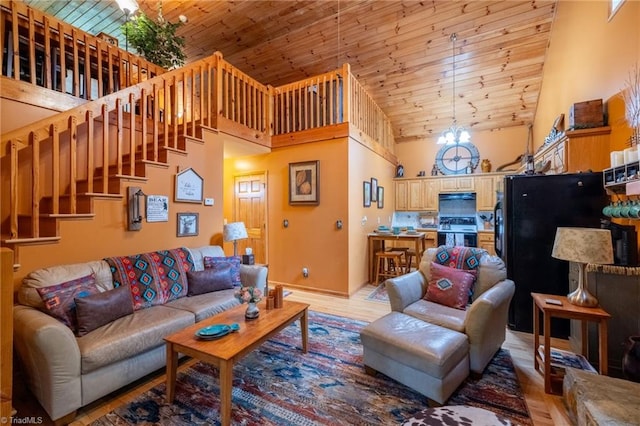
(376, 242)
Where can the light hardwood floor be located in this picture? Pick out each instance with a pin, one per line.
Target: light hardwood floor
(544, 409)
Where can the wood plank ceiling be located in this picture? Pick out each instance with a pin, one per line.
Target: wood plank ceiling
(400, 50)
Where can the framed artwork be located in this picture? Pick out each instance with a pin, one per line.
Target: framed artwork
(304, 183)
(374, 189)
(366, 193)
(188, 187)
(157, 208)
(380, 197)
(187, 224)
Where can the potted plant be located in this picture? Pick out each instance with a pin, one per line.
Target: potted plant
(156, 40)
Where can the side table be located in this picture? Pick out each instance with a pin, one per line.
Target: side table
(565, 310)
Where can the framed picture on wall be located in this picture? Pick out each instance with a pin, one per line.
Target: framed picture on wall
(304, 183)
(374, 190)
(366, 193)
(187, 224)
(380, 197)
(188, 187)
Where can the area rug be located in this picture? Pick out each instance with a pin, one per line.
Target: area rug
(279, 385)
(379, 294)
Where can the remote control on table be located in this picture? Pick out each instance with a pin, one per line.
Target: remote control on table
(553, 302)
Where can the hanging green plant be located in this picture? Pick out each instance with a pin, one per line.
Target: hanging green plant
(156, 40)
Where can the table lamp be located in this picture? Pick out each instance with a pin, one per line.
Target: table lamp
(234, 231)
(583, 245)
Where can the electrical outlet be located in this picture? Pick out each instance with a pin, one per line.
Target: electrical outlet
(305, 272)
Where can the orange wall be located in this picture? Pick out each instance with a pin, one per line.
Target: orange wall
(311, 240)
(589, 57)
(500, 147)
(363, 165)
(105, 234)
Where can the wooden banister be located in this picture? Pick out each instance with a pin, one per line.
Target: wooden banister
(56, 42)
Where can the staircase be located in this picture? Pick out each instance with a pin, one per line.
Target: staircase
(55, 168)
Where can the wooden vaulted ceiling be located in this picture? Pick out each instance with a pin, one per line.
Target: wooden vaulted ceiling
(400, 50)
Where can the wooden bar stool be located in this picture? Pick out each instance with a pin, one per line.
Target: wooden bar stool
(388, 264)
(409, 255)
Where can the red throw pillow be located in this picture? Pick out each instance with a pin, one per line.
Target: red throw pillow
(234, 261)
(59, 300)
(450, 286)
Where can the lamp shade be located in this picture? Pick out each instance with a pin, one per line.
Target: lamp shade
(583, 245)
(234, 231)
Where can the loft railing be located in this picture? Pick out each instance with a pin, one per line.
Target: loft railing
(46, 52)
(330, 99)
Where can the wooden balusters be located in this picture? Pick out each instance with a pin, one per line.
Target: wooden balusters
(90, 143)
(35, 184)
(132, 134)
(105, 148)
(54, 135)
(73, 164)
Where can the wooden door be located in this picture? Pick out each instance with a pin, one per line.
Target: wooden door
(251, 208)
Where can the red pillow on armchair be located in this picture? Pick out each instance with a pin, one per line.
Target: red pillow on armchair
(450, 286)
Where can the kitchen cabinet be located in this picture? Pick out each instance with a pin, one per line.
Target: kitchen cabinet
(431, 191)
(430, 239)
(486, 241)
(416, 199)
(401, 195)
(457, 184)
(421, 194)
(417, 195)
(485, 193)
(576, 151)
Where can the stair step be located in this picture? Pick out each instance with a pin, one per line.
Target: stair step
(84, 204)
(69, 215)
(113, 185)
(48, 226)
(30, 240)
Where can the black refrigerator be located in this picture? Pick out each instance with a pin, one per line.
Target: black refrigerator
(526, 218)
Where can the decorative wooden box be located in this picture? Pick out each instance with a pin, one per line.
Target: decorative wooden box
(585, 115)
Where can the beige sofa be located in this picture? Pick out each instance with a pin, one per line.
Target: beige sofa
(66, 372)
(483, 322)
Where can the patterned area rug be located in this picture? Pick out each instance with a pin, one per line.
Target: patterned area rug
(279, 385)
(379, 294)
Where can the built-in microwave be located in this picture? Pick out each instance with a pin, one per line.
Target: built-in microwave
(457, 204)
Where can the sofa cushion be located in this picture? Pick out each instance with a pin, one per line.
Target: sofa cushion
(155, 277)
(99, 309)
(59, 300)
(207, 304)
(438, 314)
(130, 335)
(450, 286)
(218, 262)
(53, 275)
(209, 280)
(491, 271)
(198, 255)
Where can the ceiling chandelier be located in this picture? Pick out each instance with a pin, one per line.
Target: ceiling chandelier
(454, 134)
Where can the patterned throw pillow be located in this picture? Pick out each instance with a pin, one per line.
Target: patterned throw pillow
(59, 299)
(211, 279)
(450, 286)
(234, 261)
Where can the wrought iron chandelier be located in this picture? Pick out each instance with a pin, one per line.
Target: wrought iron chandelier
(454, 134)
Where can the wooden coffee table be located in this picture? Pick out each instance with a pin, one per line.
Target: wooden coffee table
(226, 351)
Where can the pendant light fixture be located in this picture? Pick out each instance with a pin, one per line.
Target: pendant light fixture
(454, 134)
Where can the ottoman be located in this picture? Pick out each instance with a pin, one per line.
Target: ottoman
(429, 359)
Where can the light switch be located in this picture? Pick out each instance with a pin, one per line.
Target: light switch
(208, 201)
